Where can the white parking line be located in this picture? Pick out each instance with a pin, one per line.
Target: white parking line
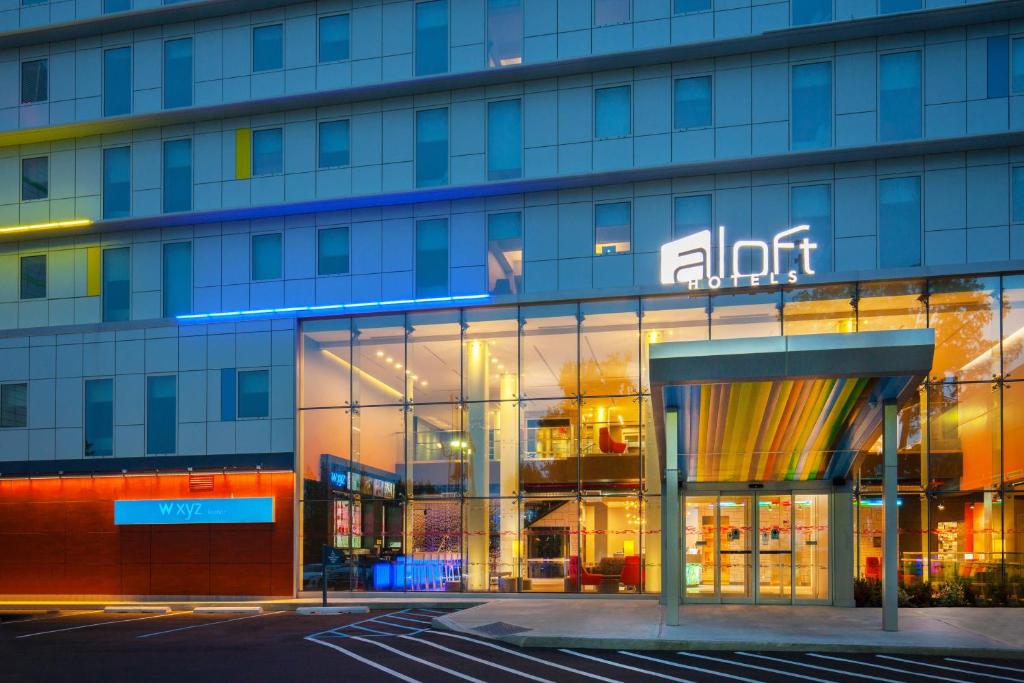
(432, 665)
(819, 668)
(754, 666)
(950, 668)
(102, 623)
(51, 617)
(625, 666)
(364, 660)
(886, 668)
(415, 621)
(208, 623)
(380, 620)
(431, 611)
(990, 666)
(687, 666)
(526, 656)
(478, 660)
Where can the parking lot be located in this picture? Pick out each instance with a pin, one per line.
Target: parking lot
(400, 645)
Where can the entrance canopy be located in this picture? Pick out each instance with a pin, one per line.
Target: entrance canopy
(782, 408)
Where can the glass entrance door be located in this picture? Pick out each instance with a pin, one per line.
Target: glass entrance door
(775, 547)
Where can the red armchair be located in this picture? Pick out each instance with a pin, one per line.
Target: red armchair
(632, 572)
(873, 568)
(579, 576)
(608, 444)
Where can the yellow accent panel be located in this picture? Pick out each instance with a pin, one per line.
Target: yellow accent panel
(92, 271)
(76, 223)
(243, 153)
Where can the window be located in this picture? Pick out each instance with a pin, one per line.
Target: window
(611, 112)
(1017, 188)
(504, 32)
(611, 228)
(117, 182)
(812, 105)
(333, 144)
(811, 12)
(161, 414)
(116, 284)
(504, 140)
(332, 251)
(893, 6)
(33, 277)
(431, 37)
(99, 417)
(812, 205)
(899, 97)
(34, 87)
(266, 256)
(432, 258)
(35, 178)
(253, 393)
(333, 38)
(505, 253)
(431, 147)
(177, 279)
(267, 48)
(693, 102)
(899, 222)
(1017, 67)
(117, 81)
(14, 405)
(110, 6)
(177, 175)
(267, 151)
(178, 73)
(611, 12)
(691, 215)
(687, 6)
(999, 66)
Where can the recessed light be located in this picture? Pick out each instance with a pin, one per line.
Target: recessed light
(380, 353)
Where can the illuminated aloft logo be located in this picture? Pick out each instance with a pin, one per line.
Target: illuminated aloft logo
(689, 260)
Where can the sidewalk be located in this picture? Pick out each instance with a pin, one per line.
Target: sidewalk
(639, 624)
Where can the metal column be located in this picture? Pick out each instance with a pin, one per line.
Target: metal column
(890, 559)
(672, 555)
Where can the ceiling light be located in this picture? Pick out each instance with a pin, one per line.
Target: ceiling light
(389, 359)
(398, 366)
(423, 383)
(379, 354)
(414, 377)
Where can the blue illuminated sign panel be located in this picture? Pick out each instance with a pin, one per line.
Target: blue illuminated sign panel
(194, 511)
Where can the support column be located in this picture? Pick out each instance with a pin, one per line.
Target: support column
(890, 559)
(672, 555)
(843, 547)
(476, 521)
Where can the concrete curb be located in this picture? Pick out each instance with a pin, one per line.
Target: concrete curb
(314, 611)
(240, 609)
(137, 609)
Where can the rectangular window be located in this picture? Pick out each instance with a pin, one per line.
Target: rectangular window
(692, 214)
(110, 6)
(432, 147)
(14, 405)
(687, 6)
(333, 38)
(178, 73)
(504, 140)
(812, 205)
(35, 178)
(117, 81)
(893, 6)
(33, 277)
(332, 247)
(253, 393)
(34, 86)
(333, 144)
(161, 414)
(177, 279)
(266, 256)
(505, 253)
(117, 182)
(116, 284)
(267, 151)
(432, 258)
(612, 228)
(693, 102)
(1017, 68)
(608, 12)
(267, 47)
(812, 105)
(811, 12)
(431, 37)
(1017, 189)
(999, 66)
(899, 222)
(899, 96)
(504, 32)
(612, 112)
(177, 175)
(99, 417)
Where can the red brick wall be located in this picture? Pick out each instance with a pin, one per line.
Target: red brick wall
(57, 537)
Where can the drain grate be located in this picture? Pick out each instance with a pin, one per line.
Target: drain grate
(500, 628)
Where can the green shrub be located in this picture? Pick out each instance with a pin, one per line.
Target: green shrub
(916, 594)
(956, 592)
(867, 592)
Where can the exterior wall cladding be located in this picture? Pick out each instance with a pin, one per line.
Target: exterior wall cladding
(638, 101)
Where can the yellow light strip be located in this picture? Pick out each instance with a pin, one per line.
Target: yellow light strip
(76, 223)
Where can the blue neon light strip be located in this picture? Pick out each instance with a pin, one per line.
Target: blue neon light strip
(295, 310)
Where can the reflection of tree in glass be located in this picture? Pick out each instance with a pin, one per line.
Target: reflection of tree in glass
(962, 313)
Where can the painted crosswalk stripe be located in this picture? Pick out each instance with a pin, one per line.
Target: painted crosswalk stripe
(208, 623)
(625, 666)
(364, 660)
(985, 664)
(478, 660)
(687, 666)
(886, 668)
(102, 623)
(820, 668)
(526, 656)
(950, 668)
(754, 666)
(432, 665)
